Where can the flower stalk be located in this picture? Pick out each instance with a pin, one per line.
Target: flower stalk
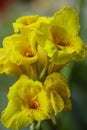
(32, 127)
(54, 122)
(35, 126)
(44, 71)
(38, 125)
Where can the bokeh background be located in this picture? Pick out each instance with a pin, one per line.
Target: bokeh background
(76, 73)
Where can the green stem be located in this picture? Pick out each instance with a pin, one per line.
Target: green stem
(53, 119)
(43, 73)
(35, 72)
(35, 125)
(32, 127)
(38, 125)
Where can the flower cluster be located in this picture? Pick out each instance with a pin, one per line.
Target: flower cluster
(39, 49)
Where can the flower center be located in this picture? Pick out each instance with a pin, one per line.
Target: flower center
(31, 103)
(27, 52)
(59, 37)
(34, 105)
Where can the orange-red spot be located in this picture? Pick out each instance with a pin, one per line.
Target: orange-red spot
(34, 105)
(59, 36)
(31, 104)
(27, 52)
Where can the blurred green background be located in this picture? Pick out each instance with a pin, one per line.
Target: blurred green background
(76, 73)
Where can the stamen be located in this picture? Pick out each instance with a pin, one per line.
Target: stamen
(27, 52)
(34, 105)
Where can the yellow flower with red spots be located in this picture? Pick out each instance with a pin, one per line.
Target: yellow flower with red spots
(21, 50)
(27, 102)
(60, 38)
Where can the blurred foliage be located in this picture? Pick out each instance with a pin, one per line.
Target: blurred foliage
(76, 73)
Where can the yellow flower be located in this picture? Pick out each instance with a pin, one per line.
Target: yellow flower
(19, 48)
(58, 92)
(27, 102)
(8, 67)
(24, 21)
(59, 37)
(29, 21)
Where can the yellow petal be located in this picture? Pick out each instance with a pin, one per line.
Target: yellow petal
(57, 102)
(12, 69)
(24, 21)
(14, 117)
(67, 18)
(8, 67)
(78, 48)
(2, 60)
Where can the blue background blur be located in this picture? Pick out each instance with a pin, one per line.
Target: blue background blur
(76, 73)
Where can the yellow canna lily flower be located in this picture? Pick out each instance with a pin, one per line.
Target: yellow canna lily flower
(19, 49)
(27, 102)
(58, 92)
(24, 21)
(60, 38)
(29, 22)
